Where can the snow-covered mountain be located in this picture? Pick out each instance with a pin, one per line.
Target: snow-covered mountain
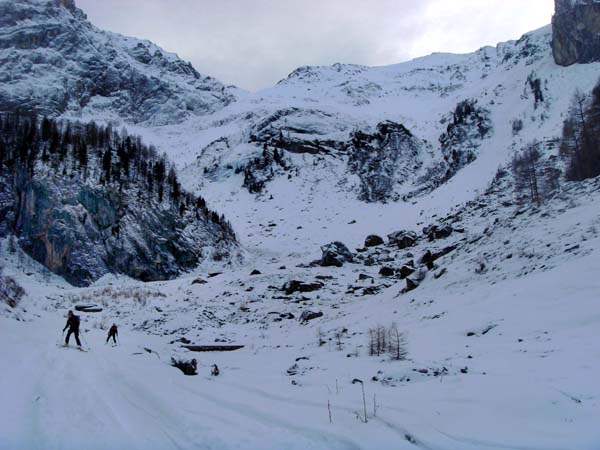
(54, 61)
(467, 115)
(399, 288)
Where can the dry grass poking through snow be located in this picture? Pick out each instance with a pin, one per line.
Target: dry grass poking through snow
(109, 294)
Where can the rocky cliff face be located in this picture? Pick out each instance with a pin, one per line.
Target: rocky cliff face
(53, 60)
(576, 32)
(384, 160)
(82, 233)
(83, 212)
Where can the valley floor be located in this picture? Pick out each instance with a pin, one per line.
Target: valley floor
(531, 381)
(502, 341)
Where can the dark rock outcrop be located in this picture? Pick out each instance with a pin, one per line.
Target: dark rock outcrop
(282, 130)
(373, 240)
(468, 125)
(294, 286)
(415, 280)
(402, 273)
(406, 270)
(403, 239)
(81, 233)
(383, 160)
(576, 32)
(308, 315)
(387, 271)
(335, 254)
(187, 367)
(430, 257)
(434, 232)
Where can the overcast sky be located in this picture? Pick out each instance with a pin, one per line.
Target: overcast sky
(255, 43)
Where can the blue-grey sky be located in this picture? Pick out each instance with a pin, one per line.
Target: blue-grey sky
(255, 43)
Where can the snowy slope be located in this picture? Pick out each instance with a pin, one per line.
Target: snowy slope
(328, 103)
(499, 359)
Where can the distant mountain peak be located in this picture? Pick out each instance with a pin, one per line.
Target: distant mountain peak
(53, 61)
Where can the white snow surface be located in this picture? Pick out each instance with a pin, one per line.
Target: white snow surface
(501, 358)
(524, 333)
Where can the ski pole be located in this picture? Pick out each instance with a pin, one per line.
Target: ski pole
(86, 342)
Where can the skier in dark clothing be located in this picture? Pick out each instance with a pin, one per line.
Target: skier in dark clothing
(113, 333)
(73, 326)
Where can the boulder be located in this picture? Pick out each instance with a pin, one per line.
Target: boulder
(308, 315)
(187, 367)
(288, 316)
(387, 271)
(371, 290)
(415, 280)
(373, 240)
(294, 286)
(255, 272)
(434, 232)
(430, 257)
(403, 239)
(443, 232)
(427, 259)
(406, 271)
(335, 254)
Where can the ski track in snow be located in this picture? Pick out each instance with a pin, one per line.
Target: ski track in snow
(119, 409)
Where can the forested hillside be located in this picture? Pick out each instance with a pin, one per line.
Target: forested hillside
(85, 200)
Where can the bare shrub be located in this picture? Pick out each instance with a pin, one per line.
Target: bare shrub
(397, 343)
(320, 337)
(138, 295)
(387, 340)
(517, 126)
(338, 340)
